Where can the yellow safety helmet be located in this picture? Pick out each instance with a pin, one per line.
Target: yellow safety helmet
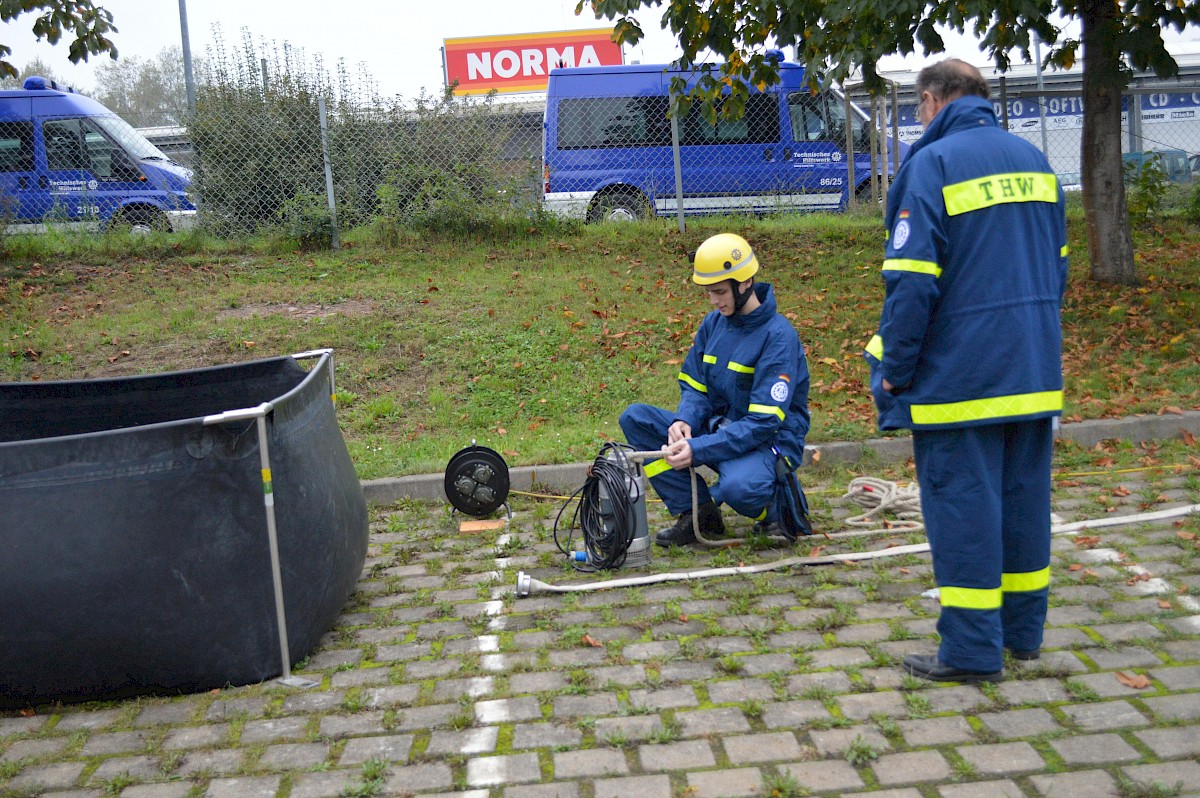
(724, 256)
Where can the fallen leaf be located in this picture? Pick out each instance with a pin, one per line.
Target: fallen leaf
(1091, 573)
(1186, 535)
(682, 618)
(588, 640)
(1188, 437)
(905, 571)
(1121, 490)
(28, 713)
(1163, 604)
(816, 455)
(1137, 681)
(1086, 540)
(1074, 567)
(1138, 578)
(815, 551)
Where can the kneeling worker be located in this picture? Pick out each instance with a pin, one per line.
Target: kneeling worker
(743, 404)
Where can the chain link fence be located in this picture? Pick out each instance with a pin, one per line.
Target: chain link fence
(1162, 120)
(262, 160)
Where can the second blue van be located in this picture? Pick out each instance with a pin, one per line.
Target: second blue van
(608, 154)
(67, 160)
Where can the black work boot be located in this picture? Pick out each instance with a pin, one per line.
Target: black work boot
(681, 532)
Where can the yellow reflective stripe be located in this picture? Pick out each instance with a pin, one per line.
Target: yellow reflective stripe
(655, 467)
(905, 265)
(769, 409)
(971, 598)
(1025, 582)
(1020, 404)
(738, 367)
(984, 192)
(761, 516)
(875, 347)
(709, 358)
(699, 386)
(1066, 250)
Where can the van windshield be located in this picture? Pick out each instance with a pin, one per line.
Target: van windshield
(130, 140)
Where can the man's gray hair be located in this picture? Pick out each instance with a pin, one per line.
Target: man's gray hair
(950, 79)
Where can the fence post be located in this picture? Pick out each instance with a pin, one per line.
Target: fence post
(1133, 105)
(678, 171)
(895, 128)
(333, 222)
(1003, 102)
(850, 177)
(874, 145)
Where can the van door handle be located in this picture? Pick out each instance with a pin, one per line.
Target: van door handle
(787, 154)
(768, 154)
(23, 182)
(43, 181)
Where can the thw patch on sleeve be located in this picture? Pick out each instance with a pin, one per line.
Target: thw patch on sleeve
(779, 391)
(900, 234)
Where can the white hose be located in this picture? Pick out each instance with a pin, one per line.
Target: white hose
(527, 585)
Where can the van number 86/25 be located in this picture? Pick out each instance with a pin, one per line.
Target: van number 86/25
(831, 181)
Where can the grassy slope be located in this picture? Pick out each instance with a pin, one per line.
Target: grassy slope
(534, 346)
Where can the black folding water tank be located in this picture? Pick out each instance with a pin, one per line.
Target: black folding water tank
(134, 553)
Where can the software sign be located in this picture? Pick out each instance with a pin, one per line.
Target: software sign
(522, 63)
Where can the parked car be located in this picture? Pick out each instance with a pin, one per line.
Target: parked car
(66, 159)
(1070, 181)
(1173, 163)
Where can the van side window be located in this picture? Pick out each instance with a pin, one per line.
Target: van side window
(590, 122)
(835, 107)
(822, 118)
(78, 145)
(16, 146)
(758, 125)
(808, 118)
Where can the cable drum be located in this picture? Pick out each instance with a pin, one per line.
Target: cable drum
(476, 481)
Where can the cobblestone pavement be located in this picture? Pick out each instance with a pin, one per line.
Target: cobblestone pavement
(439, 681)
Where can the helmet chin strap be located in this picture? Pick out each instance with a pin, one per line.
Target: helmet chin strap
(740, 297)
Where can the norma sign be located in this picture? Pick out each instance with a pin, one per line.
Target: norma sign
(523, 62)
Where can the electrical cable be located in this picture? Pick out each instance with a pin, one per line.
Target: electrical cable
(607, 530)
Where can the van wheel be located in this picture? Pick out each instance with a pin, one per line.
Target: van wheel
(863, 195)
(622, 206)
(141, 221)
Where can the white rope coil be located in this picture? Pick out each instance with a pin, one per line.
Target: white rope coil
(880, 497)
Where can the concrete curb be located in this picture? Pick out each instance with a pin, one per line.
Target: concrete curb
(568, 477)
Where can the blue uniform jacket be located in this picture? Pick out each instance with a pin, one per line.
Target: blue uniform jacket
(974, 272)
(749, 370)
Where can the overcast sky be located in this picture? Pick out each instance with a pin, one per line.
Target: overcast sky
(397, 41)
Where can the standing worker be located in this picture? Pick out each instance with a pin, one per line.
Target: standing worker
(969, 357)
(743, 404)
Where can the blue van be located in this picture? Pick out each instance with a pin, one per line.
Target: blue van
(65, 159)
(607, 147)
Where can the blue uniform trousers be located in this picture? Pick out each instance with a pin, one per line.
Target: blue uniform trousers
(747, 483)
(985, 495)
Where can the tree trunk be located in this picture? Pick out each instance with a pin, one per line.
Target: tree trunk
(1110, 245)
